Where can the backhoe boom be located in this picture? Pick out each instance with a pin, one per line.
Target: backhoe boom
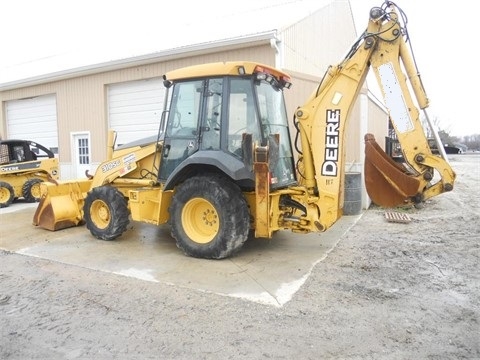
(383, 48)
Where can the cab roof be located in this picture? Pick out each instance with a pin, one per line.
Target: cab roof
(233, 68)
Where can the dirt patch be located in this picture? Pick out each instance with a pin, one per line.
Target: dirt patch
(389, 290)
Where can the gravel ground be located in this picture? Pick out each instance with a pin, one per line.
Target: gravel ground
(387, 291)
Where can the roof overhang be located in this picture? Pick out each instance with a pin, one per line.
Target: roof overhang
(160, 56)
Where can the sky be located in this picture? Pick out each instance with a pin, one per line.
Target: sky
(44, 36)
(445, 47)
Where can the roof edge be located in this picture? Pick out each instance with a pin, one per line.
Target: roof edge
(169, 54)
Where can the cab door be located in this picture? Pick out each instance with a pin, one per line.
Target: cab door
(182, 131)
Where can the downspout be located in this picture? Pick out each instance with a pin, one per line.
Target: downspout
(274, 44)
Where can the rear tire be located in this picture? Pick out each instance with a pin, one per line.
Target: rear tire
(209, 217)
(7, 195)
(106, 212)
(31, 190)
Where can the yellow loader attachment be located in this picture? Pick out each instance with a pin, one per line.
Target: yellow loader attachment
(61, 204)
(388, 183)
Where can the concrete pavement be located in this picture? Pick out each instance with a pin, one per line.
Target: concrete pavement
(265, 271)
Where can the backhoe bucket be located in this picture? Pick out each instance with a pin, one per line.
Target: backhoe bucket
(388, 183)
(61, 205)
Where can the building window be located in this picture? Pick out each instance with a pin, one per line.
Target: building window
(83, 151)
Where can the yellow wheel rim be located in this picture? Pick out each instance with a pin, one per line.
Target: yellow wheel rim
(100, 214)
(35, 191)
(200, 220)
(4, 195)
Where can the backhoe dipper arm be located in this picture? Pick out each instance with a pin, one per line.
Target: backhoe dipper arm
(387, 190)
(323, 118)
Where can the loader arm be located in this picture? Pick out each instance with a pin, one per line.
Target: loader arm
(322, 122)
(61, 205)
(122, 164)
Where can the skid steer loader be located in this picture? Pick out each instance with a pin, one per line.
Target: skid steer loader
(223, 164)
(24, 165)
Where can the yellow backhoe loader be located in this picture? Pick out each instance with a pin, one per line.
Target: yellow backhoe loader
(223, 166)
(24, 165)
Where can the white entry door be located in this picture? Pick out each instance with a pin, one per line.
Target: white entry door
(81, 154)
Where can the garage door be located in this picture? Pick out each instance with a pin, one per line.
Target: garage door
(33, 119)
(135, 109)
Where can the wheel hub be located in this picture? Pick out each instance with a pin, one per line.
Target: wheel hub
(100, 214)
(210, 217)
(36, 191)
(4, 195)
(200, 220)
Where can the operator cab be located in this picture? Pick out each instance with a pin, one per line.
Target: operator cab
(215, 122)
(19, 151)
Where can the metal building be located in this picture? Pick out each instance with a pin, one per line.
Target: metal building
(70, 111)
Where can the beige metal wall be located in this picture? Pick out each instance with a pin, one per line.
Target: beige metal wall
(366, 116)
(302, 88)
(377, 122)
(319, 40)
(309, 47)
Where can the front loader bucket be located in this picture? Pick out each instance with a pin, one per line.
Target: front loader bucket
(388, 183)
(61, 205)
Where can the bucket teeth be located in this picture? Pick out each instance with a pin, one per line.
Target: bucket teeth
(388, 183)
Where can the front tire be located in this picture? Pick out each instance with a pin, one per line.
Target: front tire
(209, 217)
(7, 195)
(31, 190)
(106, 212)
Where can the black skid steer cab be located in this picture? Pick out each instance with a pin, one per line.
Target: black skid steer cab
(24, 165)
